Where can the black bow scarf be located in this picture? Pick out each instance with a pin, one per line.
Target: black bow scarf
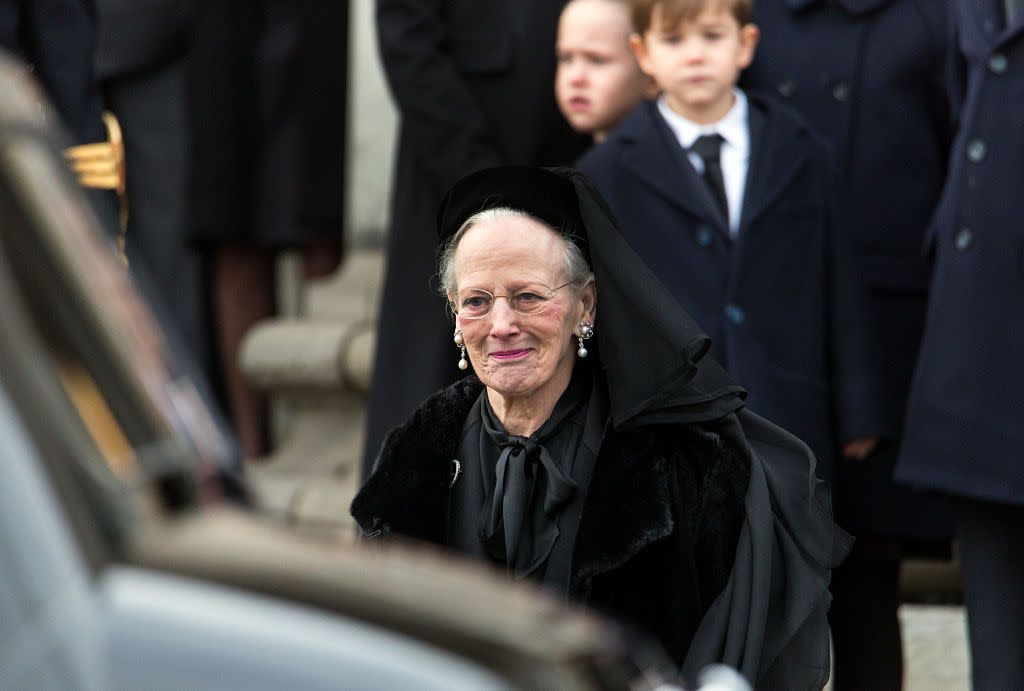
(531, 482)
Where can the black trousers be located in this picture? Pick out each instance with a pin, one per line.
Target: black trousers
(992, 564)
(864, 619)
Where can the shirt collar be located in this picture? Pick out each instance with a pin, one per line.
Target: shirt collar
(732, 127)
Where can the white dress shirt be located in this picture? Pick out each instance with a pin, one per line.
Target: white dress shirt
(735, 156)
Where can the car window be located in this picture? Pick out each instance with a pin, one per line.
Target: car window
(48, 618)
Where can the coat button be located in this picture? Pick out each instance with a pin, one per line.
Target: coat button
(963, 239)
(998, 63)
(735, 313)
(976, 150)
(841, 92)
(787, 88)
(704, 237)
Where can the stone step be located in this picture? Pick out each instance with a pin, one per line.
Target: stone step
(331, 347)
(300, 354)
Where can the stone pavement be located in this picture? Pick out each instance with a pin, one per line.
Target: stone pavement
(935, 648)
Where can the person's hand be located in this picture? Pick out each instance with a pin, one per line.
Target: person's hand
(859, 449)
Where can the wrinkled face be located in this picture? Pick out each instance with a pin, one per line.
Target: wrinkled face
(697, 62)
(598, 80)
(519, 355)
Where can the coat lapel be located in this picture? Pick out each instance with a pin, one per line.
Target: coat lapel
(652, 153)
(1012, 30)
(983, 15)
(772, 167)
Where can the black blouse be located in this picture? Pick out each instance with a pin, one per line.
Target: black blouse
(518, 501)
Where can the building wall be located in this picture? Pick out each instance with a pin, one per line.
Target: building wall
(372, 133)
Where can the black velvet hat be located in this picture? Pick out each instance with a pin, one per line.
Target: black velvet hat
(652, 352)
(546, 193)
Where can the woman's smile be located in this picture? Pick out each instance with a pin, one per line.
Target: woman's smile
(508, 355)
(524, 358)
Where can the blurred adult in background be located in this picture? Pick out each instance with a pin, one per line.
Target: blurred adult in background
(57, 39)
(964, 432)
(142, 62)
(268, 97)
(474, 85)
(868, 75)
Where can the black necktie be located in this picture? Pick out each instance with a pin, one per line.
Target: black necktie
(1013, 8)
(709, 147)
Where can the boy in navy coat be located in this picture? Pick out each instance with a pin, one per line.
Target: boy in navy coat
(728, 199)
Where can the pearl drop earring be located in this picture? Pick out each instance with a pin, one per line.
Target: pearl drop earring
(586, 331)
(460, 343)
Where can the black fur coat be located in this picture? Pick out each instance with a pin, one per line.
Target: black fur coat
(660, 525)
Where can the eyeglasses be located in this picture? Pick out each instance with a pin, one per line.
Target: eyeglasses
(529, 300)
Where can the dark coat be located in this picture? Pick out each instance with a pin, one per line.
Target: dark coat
(964, 432)
(663, 525)
(781, 303)
(875, 91)
(268, 101)
(142, 62)
(474, 84)
(136, 36)
(58, 38)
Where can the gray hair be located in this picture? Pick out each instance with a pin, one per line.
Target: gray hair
(576, 267)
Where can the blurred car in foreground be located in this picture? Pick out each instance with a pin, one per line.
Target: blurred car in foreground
(125, 564)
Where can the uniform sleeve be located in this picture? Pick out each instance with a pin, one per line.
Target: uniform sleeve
(60, 39)
(439, 112)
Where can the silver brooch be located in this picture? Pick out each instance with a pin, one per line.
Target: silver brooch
(455, 472)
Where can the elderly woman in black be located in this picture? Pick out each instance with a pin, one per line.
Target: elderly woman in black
(598, 451)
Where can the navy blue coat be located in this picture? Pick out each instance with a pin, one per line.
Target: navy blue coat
(58, 38)
(875, 90)
(964, 431)
(781, 303)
